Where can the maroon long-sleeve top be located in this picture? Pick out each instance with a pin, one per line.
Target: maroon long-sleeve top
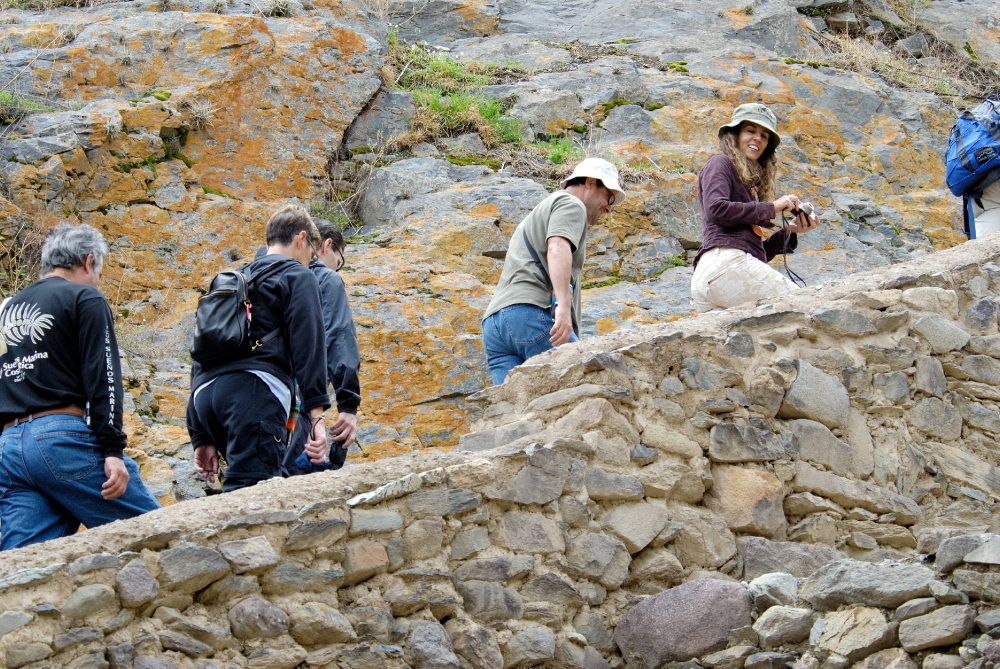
(729, 212)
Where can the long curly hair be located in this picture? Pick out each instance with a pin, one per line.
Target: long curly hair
(761, 174)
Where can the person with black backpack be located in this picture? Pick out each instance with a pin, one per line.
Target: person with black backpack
(243, 365)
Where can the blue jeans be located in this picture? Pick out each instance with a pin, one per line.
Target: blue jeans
(514, 334)
(51, 473)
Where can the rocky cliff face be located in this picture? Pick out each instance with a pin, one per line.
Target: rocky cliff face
(176, 127)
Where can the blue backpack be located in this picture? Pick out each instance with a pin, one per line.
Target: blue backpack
(973, 161)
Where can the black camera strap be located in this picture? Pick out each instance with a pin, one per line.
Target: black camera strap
(795, 278)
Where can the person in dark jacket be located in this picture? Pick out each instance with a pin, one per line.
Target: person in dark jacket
(737, 189)
(342, 357)
(239, 408)
(62, 461)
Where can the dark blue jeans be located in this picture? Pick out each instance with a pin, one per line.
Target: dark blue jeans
(514, 334)
(51, 473)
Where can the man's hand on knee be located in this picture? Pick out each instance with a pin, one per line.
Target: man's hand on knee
(206, 461)
(344, 429)
(117, 483)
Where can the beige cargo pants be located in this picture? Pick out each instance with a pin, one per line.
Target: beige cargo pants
(727, 277)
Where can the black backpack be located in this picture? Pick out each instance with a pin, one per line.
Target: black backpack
(222, 320)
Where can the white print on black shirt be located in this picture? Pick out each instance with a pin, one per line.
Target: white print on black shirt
(20, 365)
(24, 320)
(110, 371)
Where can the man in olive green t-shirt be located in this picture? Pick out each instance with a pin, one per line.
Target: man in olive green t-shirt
(542, 268)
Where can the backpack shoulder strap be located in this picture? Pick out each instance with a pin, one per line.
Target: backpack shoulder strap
(538, 262)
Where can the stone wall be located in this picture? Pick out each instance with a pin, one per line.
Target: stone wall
(808, 482)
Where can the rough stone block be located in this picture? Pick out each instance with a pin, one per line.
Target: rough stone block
(653, 571)
(886, 585)
(672, 478)
(529, 648)
(749, 500)
(943, 627)
(978, 585)
(288, 578)
(842, 322)
(476, 644)
(363, 559)
(850, 493)
(256, 618)
(604, 486)
(885, 534)
(930, 377)
(531, 533)
(783, 624)
(24, 652)
(598, 557)
(315, 622)
(12, 620)
(552, 588)
(315, 535)
(735, 443)
(856, 633)
(469, 542)
(774, 589)
(488, 440)
(423, 538)
(817, 396)
(928, 298)
(705, 540)
(936, 418)
(942, 661)
(249, 556)
(940, 334)
(431, 503)
(598, 414)
(431, 648)
(490, 602)
(374, 521)
(690, 620)
(189, 568)
(816, 443)
(540, 482)
(500, 568)
(916, 607)
(88, 600)
(636, 524)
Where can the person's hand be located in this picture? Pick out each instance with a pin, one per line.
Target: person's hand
(316, 445)
(117, 483)
(344, 429)
(563, 326)
(206, 462)
(802, 224)
(786, 203)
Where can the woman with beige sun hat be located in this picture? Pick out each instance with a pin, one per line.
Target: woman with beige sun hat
(736, 190)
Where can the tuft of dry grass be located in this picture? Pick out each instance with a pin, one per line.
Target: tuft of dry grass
(20, 255)
(952, 74)
(201, 114)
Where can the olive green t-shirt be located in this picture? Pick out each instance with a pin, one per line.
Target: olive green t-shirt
(558, 215)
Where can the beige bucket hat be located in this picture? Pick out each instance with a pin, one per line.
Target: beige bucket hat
(755, 112)
(598, 168)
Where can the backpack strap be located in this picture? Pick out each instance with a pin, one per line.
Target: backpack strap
(968, 217)
(267, 271)
(538, 262)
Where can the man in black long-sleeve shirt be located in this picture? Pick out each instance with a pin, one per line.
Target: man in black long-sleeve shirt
(342, 357)
(239, 408)
(61, 401)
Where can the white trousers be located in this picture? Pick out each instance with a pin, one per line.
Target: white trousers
(727, 277)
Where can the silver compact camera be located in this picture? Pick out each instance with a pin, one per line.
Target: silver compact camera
(806, 208)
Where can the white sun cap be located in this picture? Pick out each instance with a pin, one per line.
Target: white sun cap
(601, 169)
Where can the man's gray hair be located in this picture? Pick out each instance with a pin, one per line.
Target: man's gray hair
(67, 246)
